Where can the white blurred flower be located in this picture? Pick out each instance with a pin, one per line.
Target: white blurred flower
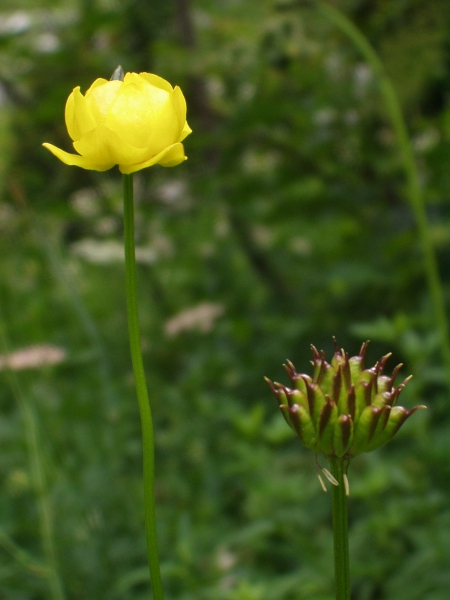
(199, 317)
(32, 357)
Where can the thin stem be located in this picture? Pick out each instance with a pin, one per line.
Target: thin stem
(22, 557)
(141, 389)
(87, 323)
(38, 480)
(414, 189)
(338, 468)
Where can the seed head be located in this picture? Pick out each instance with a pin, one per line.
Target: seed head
(343, 409)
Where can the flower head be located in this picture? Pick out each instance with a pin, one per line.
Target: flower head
(343, 409)
(134, 123)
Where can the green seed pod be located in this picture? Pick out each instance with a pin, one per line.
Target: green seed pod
(317, 400)
(379, 432)
(304, 426)
(364, 429)
(278, 392)
(362, 397)
(287, 415)
(343, 409)
(297, 379)
(296, 397)
(343, 435)
(327, 420)
(381, 399)
(356, 363)
(397, 416)
(383, 383)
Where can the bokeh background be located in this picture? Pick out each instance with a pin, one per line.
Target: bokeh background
(288, 224)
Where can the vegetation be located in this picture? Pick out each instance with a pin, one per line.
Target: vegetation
(290, 223)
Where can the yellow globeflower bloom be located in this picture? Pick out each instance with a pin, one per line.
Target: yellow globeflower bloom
(134, 123)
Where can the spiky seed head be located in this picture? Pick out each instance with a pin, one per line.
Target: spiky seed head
(343, 409)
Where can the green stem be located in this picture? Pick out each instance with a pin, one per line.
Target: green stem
(141, 389)
(22, 557)
(38, 480)
(414, 189)
(338, 468)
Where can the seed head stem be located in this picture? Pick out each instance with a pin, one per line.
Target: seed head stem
(338, 468)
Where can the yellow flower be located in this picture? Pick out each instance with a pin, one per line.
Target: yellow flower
(135, 123)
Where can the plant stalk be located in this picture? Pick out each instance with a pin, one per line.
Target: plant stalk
(141, 390)
(413, 188)
(38, 480)
(338, 468)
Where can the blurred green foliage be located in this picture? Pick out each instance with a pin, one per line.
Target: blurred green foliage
(287, 225)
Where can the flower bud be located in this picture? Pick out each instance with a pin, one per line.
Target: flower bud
(343, 409)
(134, 121)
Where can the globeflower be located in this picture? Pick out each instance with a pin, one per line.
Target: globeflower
(343, 409)
(133, 121)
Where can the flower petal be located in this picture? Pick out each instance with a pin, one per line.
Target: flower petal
(105, 146)
(97, 82)
(180, 110)
(169, 157)
(79, 119)
(145, 116)
(186, 131)
(174, 156)
(154, 80)
(75, 160)
(100, 96)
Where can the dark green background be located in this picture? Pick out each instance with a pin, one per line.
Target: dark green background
(289, 217)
